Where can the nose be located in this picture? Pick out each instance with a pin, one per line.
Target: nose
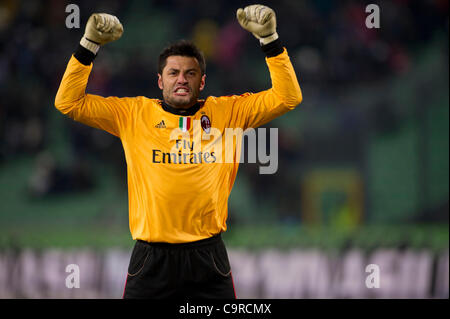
(181, 79)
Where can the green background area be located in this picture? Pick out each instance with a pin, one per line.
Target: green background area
(405, 166)
(98, 219)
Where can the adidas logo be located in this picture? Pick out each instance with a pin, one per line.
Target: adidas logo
(161, 124)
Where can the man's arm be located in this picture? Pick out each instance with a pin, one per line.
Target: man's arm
(109, 114)
(253, 110)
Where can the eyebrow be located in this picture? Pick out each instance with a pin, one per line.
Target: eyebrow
(188, 70)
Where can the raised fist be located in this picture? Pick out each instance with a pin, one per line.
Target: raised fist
(260, 21)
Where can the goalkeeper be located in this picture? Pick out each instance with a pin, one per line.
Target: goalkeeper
(178, 188)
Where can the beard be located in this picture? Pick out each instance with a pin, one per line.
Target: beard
(183, 102)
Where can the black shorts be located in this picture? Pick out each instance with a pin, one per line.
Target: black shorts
(190, 270)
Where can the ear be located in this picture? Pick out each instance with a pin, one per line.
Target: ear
(160, 82)
(202, 82)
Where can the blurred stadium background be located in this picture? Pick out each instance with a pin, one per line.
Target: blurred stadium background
(363, 162)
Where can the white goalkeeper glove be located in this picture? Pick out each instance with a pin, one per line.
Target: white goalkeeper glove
(260, 21)
(101, 28)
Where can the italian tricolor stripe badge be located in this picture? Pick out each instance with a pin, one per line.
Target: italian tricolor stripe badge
(184, 123)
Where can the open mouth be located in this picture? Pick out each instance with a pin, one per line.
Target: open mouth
(181, 91)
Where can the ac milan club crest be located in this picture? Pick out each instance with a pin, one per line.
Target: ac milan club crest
(206, 123)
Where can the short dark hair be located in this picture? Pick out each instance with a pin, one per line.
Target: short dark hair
(182, 48)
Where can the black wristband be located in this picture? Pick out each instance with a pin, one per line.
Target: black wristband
(273, 48)
(84, 55)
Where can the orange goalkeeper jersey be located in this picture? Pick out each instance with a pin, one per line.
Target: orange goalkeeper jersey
(180, 169)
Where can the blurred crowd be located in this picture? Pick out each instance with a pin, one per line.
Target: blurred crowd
(328, 42)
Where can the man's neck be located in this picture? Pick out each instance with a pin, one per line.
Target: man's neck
(179, 111)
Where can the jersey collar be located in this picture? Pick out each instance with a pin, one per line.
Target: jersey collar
(183, 112)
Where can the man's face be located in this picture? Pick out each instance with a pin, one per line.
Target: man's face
(181, 81)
